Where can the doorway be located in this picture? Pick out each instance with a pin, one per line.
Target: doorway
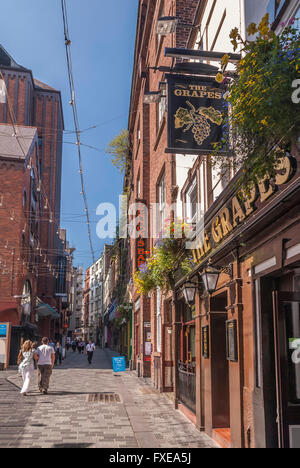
(286, 310)
(219, 364)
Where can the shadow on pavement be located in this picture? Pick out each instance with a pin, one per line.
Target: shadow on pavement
(72, 445)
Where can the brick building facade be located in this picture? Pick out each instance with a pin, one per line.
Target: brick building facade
(32, 106)
(226, 359)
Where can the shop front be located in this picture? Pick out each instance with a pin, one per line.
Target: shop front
(241, 336)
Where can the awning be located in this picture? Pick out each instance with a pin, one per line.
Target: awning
(44, 310)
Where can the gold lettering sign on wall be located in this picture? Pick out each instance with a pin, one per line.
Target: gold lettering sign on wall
(240, 208)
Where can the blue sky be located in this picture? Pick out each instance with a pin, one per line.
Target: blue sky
(103, 35)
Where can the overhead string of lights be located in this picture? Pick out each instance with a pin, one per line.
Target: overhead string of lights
(41, 268)
(75, 115)
(14, 124)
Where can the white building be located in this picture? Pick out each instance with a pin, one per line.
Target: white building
(96, 298)
(76, 319)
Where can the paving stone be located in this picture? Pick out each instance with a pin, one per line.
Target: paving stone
(63, 419)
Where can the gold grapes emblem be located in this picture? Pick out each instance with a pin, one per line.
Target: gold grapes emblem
(197, 120)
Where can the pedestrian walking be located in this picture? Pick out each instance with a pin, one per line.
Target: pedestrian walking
(58, 354)
(26, 365)
(90, 348)
(74, 346)
(45, 356)
(82, 346)
(52, 344)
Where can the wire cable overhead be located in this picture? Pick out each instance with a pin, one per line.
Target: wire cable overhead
(75, 115)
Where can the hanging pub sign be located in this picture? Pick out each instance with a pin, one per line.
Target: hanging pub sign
(195, 114)
(141, 238)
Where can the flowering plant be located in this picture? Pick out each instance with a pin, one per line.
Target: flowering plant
(263, 119)
(122, 315)
(167, 257)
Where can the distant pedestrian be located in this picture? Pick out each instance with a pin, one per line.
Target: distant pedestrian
(90, 348)
(52, 344)
(58, 354)
(79, 346)
(45, 357)
(26, 365)
(74, 345)
(82, 346)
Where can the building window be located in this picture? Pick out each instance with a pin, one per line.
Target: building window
(1, 199)
(192, 200)
(138, 136)
(24, 199)
(138, 187)
(162, 203)
(274, 8)
(203, 188)
(297, 16)
(161, 110)
(219, 181)
(161, 14)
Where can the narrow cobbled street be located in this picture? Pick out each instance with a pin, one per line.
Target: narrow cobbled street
(91, 407)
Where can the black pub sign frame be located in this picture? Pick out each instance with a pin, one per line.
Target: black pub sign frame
(196, 111)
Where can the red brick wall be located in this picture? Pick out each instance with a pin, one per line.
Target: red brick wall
(150, 159)
(31, 106)
(15, 267)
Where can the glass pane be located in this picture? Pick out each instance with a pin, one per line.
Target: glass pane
(192, 343)
(292, 320)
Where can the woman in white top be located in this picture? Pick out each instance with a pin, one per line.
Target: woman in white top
(26, 365)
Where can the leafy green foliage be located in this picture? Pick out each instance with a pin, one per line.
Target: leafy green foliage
(167, 258)
(263, 119)
(119, 148)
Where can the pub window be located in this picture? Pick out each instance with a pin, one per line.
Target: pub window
(158, 320)
(192, 200)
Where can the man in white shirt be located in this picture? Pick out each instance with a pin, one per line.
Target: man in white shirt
(90, 348)
(45, 358)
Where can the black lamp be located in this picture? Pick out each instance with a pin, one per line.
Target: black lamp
(210, 277)
(189, 292)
